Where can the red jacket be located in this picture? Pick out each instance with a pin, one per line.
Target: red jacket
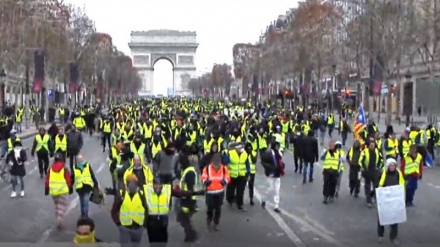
(402, 168)
(56, 167)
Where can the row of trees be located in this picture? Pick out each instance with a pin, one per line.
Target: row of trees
(216, 82)
(74, 52)
(317, 40)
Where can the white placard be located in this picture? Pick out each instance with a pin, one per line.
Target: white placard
(391, 206)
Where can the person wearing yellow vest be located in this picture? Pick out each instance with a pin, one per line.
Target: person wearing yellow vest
(371, 162)
(412, 170)
(129, 212)
(252, 156)
(341, 166)
(331, 166)
(19, 119)
(158, 198)
(330, 124)
(61, 144)
(79, 123)
(62, 114)
(11, 140)
(391, 147)
(188, 205)
(239, 167)
(404, 145)
(84, 180)
(41, 146)
(141, 171)
(106, 128)
(390, 176)
(58, 185)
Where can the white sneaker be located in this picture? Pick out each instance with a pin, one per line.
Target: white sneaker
(22, 193)
(13, 194)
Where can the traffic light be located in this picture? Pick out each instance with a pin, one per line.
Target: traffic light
(288, 94)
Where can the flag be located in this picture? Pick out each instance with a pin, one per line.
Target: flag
(360, 123)
(428, 160)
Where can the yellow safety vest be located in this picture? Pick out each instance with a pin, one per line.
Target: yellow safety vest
(237, 164)
(148, 174)
(132, 209)
(406, 144)
(392, 148)
(83, 178)
(79, 122)
(285, 127)
(148, 131)
(10, 144)
(384, 176)
(57, 183)
(155, 149)
(139, 151)
(412, 166)
(61, 144)
(365, 158)
(158, 204)
(182, 184)
(332, 162)
(107, 128)
(252, 164)
(42, 142)
(262, 143)
(62, 112)
(330, 120)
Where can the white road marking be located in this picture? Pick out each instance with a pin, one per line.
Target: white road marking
(29, 173)
(434, 186)
(289, 232)
(320, 231)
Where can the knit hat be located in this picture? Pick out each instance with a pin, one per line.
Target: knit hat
(390, 161)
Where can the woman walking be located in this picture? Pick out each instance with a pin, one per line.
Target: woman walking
(58, 185)
(16, 159)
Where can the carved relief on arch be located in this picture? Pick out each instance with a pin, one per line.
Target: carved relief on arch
(168, 56)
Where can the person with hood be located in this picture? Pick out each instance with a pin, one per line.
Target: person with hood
(163, 164)
(353, 156)
(74, 145)
(84, 180)
(17, 157)
(215, 177)
(390, 176)
(272, 161)
(41, 146)
(58, 185)
(129, 212)
(238, 164)
(310, 155)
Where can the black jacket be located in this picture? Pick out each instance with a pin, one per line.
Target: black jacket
(310, 149)
(18, 167)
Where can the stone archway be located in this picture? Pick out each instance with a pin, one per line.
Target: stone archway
(147, 47)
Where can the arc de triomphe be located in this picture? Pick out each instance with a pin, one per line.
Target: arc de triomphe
(148, 47)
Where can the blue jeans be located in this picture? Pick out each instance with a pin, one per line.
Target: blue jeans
(84, 203)
(306, 165)
(411, 187)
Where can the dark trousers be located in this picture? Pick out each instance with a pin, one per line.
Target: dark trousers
(235, 191)
(412, 183)
(251, 183)
(307, 165)
(371, 182)
(166, 179)
(330, 181)
(157, 232)
(43, 162)
(185, 221)
(298, 163)
(354, 183)
(393, 230)
(214, 204)
(72, 161)
(106, 139)
(148, 148)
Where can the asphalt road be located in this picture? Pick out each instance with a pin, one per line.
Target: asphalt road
(31, 219)
(348, 221)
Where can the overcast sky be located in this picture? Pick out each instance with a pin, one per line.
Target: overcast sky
(219, 25)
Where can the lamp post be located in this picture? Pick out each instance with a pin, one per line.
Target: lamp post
(2, 86)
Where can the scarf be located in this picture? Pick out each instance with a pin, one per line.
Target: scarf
(84, 239)
(81, 165)
(17, 155)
